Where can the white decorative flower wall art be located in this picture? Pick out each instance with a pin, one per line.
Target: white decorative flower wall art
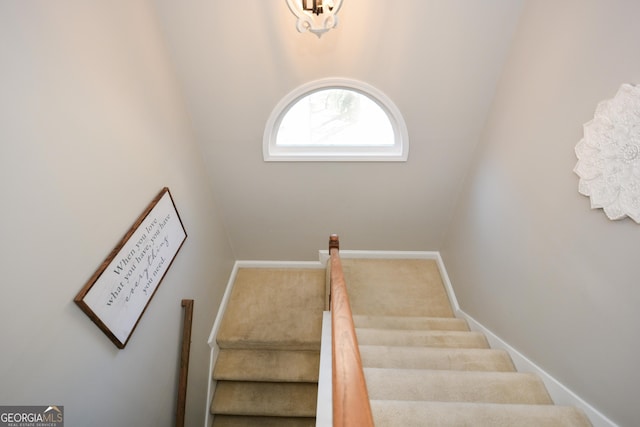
(609, 156)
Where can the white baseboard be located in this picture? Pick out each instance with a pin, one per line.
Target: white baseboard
(215, 350)
(279, 264)
(560, 394)
(324, 255)
(324, 407)
(208, 417)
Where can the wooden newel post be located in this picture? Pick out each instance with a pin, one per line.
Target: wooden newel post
(334, 242)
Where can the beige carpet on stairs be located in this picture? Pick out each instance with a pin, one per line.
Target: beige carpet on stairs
(423, 367)
(274, 307)
(267, 370)
(387, 287)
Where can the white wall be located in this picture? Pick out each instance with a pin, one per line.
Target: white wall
(439, 62)
(92, 126)
(526, 255)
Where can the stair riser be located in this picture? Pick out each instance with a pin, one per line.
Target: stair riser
(410, 323)
(265, 399)
(283, 345)
(269, 366)
(414, 414)
(449, 339)
(254, 421)
(455, 386)
(464, 359)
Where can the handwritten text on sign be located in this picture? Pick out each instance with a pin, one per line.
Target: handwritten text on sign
(121, 293)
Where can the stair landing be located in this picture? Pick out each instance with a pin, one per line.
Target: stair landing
(274, 308)
(267, 371)
(396, 287)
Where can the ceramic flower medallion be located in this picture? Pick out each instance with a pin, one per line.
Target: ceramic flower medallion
(609, 156)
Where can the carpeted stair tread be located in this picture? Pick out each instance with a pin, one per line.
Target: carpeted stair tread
(460, 386)
(265, 399)
(248, 421)
(387, 413)
(274, 308)
(464, 359)
(396, 287)
(267, 365)
(455, 339)
(422, 365)
(410, 322)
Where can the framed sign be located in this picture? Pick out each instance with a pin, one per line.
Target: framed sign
(118, 293)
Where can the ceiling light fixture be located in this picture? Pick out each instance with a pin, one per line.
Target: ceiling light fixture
(316, 16)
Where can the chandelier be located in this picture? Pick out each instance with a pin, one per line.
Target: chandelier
(315, 16)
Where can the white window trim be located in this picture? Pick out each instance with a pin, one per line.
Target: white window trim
(398, 152)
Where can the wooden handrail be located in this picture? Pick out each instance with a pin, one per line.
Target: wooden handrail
(184, 361)
(351, 406)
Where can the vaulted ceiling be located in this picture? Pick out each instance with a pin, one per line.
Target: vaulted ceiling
(439, 61)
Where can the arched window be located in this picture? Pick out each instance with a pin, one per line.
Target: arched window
(335, 120)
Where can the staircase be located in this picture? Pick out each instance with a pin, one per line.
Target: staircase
(423, 366)
(267, 370)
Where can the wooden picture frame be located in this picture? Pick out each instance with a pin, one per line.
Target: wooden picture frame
(118, 293)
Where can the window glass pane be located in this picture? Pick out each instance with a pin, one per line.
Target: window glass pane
(335, 117)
